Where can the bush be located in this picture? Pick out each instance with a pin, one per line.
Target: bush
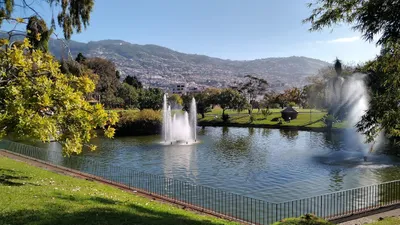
(307, 219)
(225, 118)
(292, 104)
(144, 122)
(266, 113)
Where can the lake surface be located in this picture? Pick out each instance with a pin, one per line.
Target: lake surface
(266, 164)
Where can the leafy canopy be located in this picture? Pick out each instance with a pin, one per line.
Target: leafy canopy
(384, 81)
(38, 101)
(230, 99)
(370, 17)
(151, 98)
(73, 15)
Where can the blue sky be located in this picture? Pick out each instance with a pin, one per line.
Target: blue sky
(229, 29)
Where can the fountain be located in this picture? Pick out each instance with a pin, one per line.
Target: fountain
(179, 128)
(349, 99)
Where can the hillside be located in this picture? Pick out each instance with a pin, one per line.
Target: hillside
(160, 66)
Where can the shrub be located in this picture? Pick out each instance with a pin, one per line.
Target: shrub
(266, 113)
(307, 219)
(144, 122)
(225, 118)
(292, 104)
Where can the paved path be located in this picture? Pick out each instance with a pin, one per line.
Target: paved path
(373, 218)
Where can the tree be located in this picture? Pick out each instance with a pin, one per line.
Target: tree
(38, 34)
(118, 74)
(72, 16)
(129, 95)
(252, 88)
(384, 82)
(338, 67)
(293, 95)
(203, 102)
(371, 17)
(230, 99)
(38, 101)
(175, 100)
(133, 81)
(80, 58)
(108, 83)
(151, 98)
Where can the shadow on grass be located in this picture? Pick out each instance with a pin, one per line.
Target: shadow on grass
(12, 178)
(102, 215)
(81, 200)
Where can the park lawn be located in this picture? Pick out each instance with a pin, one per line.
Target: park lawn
(123, 110)
(30, 195)
(387, 221)
(218, 111)
(303, 119)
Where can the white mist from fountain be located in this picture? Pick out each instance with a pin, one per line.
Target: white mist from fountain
(179, 128)
(351, 93)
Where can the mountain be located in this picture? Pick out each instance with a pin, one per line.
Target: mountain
(162, 67)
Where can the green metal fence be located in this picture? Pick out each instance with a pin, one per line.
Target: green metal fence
(250, 210)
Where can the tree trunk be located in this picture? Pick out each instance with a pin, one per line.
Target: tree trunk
(202, 115)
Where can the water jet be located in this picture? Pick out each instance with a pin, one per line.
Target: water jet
(177, 127)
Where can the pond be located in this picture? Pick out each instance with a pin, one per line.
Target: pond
(266, 164)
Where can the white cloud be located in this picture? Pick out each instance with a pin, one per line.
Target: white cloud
(340, 40)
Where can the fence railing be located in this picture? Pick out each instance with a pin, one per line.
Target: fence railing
(250, 210)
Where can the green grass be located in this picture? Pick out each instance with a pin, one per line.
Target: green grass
(218, 111)
(387, 221)
(31, 195)
(303, 119)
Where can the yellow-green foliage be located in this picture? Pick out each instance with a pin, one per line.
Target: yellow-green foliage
(146, 121)
(143, 115)
(38, 101)
(148, 115)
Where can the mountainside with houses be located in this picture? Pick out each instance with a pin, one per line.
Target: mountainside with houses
(162, 67)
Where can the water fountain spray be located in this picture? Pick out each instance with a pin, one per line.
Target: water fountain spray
(179, 128)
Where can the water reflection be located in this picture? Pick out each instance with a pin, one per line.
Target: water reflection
(273, 165)
(225, 130)
(251, 131)
(265, 132)
(289, 134)
(336, 179)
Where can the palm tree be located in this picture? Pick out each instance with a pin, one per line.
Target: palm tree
(338, 67)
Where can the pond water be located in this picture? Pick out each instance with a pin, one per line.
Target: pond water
(266, 164)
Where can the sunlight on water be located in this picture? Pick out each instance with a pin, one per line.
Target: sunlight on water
(266, 164)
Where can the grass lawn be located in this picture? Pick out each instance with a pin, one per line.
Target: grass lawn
(303, 119)
(218, 111)
(30, 195)
(387, 221)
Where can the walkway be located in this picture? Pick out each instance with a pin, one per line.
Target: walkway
(372, 218)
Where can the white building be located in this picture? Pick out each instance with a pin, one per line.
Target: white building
(179, 89)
